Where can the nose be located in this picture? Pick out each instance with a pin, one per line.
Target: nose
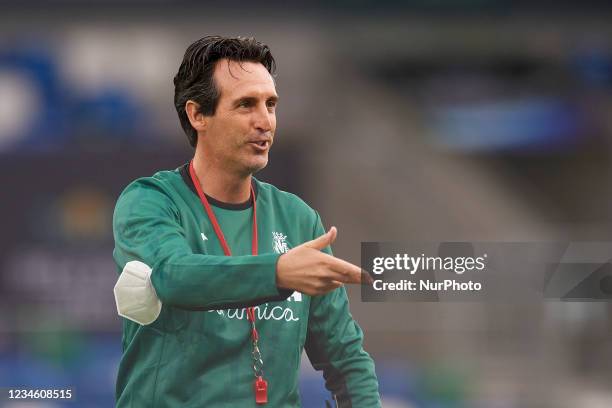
(264, 119)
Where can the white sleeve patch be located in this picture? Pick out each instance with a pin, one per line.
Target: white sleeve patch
(135, 295)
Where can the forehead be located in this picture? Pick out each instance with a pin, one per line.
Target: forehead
(235, 79)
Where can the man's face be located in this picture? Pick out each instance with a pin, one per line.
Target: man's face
(240, 133)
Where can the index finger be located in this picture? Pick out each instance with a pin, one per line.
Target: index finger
(353, 273)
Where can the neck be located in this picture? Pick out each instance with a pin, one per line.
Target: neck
(220, 184)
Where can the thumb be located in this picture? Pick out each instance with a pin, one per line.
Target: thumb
(324, 240)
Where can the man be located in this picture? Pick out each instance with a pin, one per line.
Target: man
(243, 270)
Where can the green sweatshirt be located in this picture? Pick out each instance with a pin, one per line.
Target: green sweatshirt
(198, 351)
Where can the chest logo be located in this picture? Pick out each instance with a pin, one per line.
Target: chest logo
(279, 243)
(204, 237)
(295, 296)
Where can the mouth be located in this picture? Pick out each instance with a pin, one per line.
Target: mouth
(260, 145)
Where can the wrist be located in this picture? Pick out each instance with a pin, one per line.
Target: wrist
(280, 272)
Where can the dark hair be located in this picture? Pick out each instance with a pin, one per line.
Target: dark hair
(194, 79)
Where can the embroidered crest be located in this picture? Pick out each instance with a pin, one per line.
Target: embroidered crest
(279, 243)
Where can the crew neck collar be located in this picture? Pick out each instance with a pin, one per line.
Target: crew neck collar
(184, 171)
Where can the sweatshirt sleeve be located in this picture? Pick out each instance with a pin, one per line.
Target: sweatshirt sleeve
(334, 344)
(146, 227)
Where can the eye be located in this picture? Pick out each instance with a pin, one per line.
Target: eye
(271, 104)
(244, 103)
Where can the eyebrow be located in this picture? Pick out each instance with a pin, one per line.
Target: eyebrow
(252, 99)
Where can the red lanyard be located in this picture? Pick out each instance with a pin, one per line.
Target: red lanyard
(261, 385)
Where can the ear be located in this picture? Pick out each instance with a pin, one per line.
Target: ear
(197, 119)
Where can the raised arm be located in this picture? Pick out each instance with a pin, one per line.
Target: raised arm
(146, 228)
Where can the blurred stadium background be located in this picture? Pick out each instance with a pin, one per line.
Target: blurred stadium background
(417, 121)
